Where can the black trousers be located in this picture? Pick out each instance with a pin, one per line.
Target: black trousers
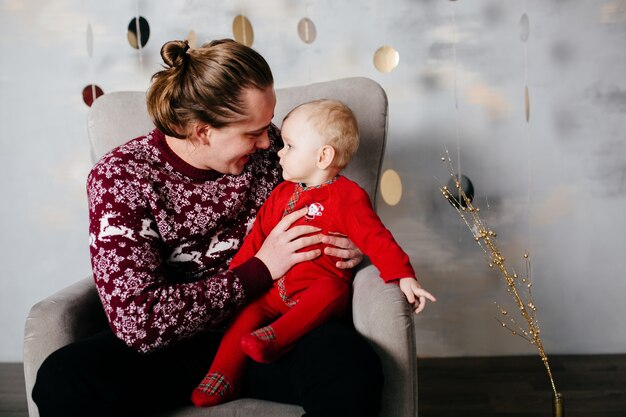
(332, 371)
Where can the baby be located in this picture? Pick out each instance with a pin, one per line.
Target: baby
(320, 138)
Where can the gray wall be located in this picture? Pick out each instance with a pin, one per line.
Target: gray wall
(555, 186)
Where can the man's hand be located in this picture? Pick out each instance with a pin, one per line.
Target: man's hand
(342, 247)
(279, 251)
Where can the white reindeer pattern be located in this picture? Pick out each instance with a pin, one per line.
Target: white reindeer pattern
(107, 230)
(179, 256)
(147, 230)
(218, 245)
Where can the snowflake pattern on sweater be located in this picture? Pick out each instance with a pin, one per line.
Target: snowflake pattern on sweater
(162, 234)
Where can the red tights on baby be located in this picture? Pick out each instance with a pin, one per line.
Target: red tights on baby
(245, 337)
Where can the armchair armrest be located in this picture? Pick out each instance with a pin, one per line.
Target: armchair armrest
(383, 316)
(73, 313)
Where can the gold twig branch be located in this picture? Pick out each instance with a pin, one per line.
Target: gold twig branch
(519, 288)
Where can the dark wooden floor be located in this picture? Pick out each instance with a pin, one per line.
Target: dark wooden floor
(12, 391)
(592, 386)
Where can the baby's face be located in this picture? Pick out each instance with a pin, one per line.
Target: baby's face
(299, 156)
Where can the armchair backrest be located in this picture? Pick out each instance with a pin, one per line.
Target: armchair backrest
(117, 117)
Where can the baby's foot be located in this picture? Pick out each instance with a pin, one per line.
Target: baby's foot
(213, 390)
(261, 345)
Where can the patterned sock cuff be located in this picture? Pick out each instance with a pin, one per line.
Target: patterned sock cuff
(214, 383)
(265, 333)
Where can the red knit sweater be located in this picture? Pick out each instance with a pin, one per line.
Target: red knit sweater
(162, 234)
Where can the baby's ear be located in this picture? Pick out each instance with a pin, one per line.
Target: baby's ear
(325, 156)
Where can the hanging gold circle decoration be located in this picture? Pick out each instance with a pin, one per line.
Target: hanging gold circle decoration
(386, 59)
(306, 30)
(91, 93)
(138, 32)
(524, 24)
(242, 30)
(192, 39)
(391, 187)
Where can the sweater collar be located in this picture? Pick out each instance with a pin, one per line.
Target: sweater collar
(303, 187)
(178, 163)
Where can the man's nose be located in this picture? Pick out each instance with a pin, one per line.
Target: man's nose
(264, 141)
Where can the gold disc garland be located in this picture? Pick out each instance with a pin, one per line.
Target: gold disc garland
(386, 59)
(391, 187)
(192, 39)
(242, 30)
(138, 32)
(306, 30)
(524, 24)
(90, 93)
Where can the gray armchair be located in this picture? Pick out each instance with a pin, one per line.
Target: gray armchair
(380, 311)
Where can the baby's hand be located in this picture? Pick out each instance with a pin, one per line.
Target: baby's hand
(415, 294)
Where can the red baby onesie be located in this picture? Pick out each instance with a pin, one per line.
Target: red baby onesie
(338, 207)
(311, 292)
